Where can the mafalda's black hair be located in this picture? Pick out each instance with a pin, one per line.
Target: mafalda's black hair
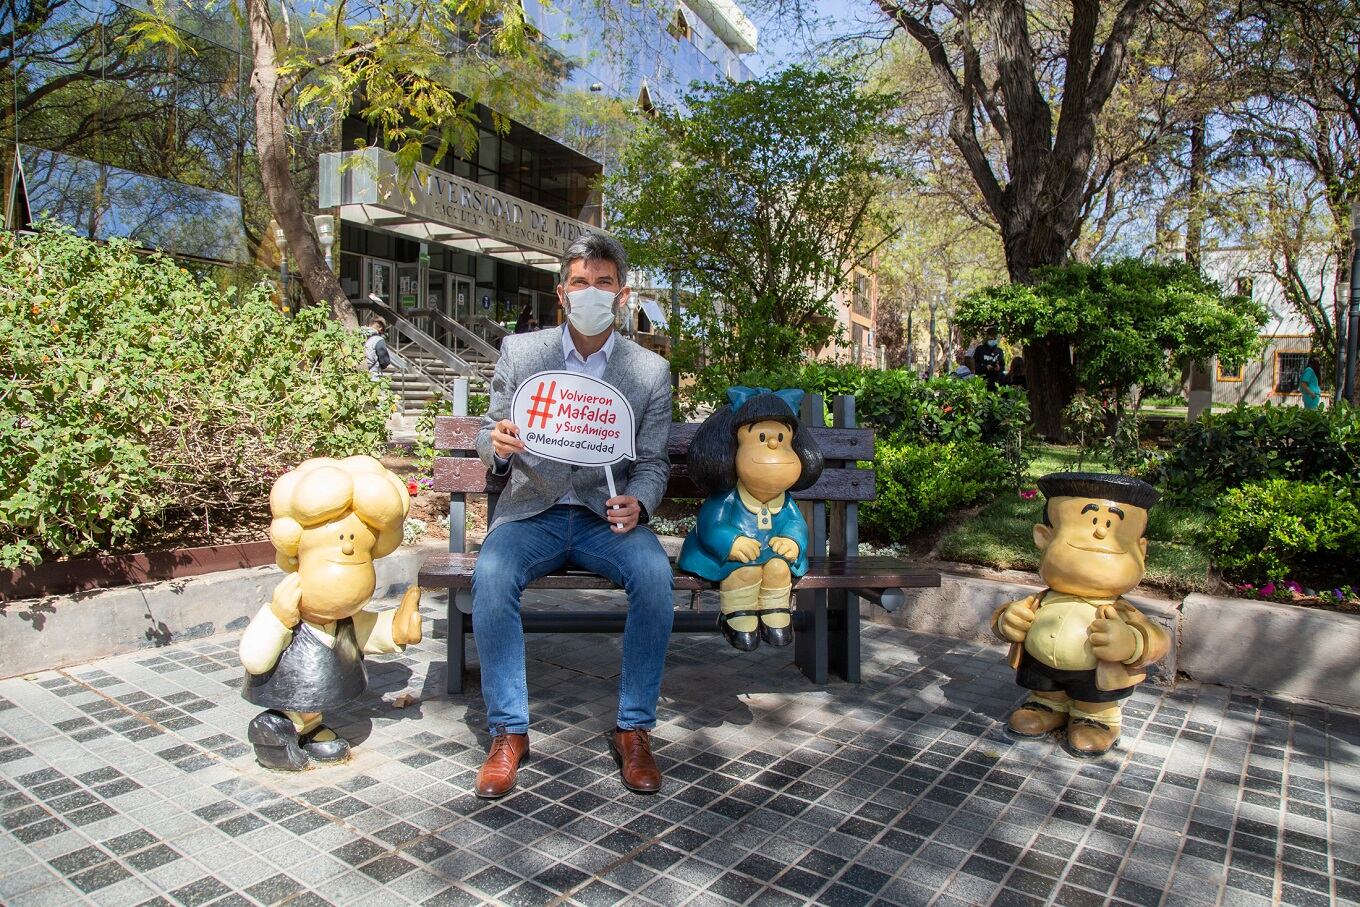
(713, 452)
(1106, 487)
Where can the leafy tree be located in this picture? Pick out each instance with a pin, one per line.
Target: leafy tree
(415, 69)
(1027, 93)
(762, 197)
(1147, 314)
(1299, 138)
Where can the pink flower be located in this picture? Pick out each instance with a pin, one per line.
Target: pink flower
(413, 487)
(1245, 587)
(1029, 493)
(1293, 586)
(1267, 590)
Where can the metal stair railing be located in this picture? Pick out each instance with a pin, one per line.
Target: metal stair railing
(462, 337)
(415, 338)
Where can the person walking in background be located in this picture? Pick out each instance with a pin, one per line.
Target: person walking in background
(1309, 385)
(526, 321)
(376, 355)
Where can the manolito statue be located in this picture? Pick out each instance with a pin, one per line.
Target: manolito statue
(304, 651)
(1078, 646)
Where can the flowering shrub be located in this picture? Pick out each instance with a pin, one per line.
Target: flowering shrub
(138, 401)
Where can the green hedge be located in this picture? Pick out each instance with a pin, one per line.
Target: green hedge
(905, 409)
(1254, 443)
(138, 402)
(919, 486)
(1281, 529)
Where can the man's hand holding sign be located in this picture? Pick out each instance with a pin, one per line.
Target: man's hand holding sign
(573, 418)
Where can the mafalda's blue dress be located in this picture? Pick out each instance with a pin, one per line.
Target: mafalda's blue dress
(725, 517)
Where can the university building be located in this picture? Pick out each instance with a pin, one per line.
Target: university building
(156, 144)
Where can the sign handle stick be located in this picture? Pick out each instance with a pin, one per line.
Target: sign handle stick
(609, 480)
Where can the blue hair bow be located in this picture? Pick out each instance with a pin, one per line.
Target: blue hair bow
(738, 395)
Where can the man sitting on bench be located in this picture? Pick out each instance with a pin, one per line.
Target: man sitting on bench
(552, 514)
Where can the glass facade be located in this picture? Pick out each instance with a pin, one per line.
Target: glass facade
(154, 141)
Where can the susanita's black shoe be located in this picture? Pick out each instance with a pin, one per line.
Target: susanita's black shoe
(742, 641)
(776, 636)
(276, 742)
(334, 750)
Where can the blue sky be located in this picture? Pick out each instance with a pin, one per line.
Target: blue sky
(779, 44)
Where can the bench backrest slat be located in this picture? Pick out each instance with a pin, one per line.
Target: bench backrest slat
(465, 475)
(460, 433)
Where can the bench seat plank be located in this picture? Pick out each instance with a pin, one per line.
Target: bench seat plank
(454, 571)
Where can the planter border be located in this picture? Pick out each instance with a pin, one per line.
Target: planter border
(84, 574)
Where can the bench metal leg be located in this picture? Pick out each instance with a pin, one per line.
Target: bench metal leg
(810, 640)
(843, 635)
(457, 647)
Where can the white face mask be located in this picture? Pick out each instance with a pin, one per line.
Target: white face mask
(590, 311)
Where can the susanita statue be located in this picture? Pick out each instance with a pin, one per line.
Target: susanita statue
(1078, 646)
(750, 537)
(304, 651)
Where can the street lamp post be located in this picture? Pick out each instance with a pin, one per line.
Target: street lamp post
(911, 347)
(281, 240)
(325, 234)
(1353, 328)
(930, 372)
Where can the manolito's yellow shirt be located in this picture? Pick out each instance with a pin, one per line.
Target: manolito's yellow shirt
(1058, 635)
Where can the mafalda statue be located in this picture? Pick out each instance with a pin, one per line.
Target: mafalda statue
(1078, 646)
(750, 537)
(304, 651)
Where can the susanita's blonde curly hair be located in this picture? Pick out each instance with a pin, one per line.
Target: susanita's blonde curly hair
(324, 489)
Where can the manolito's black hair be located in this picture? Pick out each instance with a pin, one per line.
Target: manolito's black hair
(1104, 486)
(713, 451)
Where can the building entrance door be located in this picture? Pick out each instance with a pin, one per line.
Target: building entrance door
(408, 288)
(462, 301)
(379, 280)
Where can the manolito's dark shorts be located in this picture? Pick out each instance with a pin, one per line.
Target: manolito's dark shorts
(1080, 685)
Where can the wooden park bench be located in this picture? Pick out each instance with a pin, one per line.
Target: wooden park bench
(826, 614)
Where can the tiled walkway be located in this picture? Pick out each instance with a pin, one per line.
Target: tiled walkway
(128, 781)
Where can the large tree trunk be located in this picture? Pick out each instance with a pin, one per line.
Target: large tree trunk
(271, 143)
(1051, 382)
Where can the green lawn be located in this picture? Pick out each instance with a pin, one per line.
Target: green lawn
(1001, 535)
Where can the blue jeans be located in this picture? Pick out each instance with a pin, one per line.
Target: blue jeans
(516, 553)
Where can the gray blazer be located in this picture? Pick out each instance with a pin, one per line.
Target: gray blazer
(536, 483)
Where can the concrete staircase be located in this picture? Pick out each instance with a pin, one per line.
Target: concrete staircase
(414, 389)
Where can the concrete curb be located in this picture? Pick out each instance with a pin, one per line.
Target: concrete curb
(1275, 648)
(1271, 648)
(45, 633)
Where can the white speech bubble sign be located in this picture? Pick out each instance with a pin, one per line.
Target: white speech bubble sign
(573, 418)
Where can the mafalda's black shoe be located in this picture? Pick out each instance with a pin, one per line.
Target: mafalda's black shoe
(776, 636)
(335, 749)
(276, 742)
(741, 640)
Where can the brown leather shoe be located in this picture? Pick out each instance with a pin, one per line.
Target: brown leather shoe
(1035, 719)
(633, 752)
(496, 777)
(1087, 739)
